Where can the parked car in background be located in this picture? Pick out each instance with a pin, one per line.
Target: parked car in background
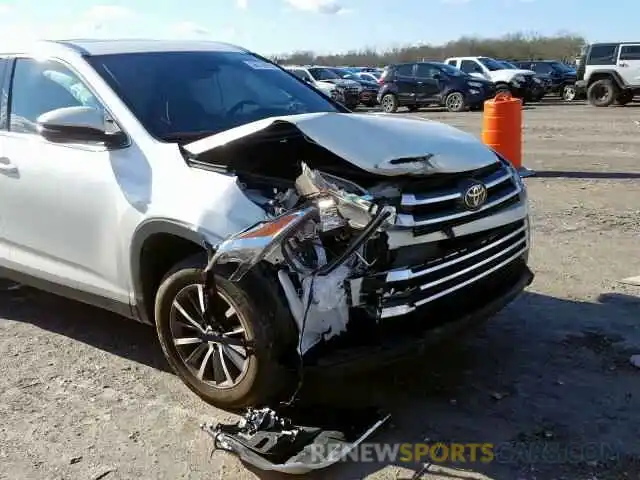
(329, 89)
(544, 80)
(345, 91)
(369, 92)
(363, 69)
(561, 77)
(520, 83)
(249, 219)
(609, 72)
(370, 76)
(421, 84)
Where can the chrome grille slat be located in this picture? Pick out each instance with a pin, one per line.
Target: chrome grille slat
(475, 266)
(407, 274)
(398, 310)
(408, 220)
(429, 207)
(410, 199)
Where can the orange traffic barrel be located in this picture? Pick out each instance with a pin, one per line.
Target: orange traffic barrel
(502, 129)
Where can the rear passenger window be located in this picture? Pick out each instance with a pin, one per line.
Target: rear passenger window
(426, 71)
(41, 86)
(630, 52)
(404, 70)
(603, 54)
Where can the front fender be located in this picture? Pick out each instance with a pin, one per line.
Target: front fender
(147, 229)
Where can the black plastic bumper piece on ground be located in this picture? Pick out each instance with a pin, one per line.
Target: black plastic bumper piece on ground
(373, 356)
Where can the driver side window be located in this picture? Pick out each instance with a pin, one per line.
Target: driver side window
(38, 87)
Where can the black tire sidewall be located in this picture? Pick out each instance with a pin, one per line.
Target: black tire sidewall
(601, 83)
(250, 390)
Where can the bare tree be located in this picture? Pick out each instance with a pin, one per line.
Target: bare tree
(516, 46)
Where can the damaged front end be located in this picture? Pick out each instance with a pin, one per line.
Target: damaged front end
(327, 236)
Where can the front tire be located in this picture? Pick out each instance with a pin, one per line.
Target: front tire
(601, 93)
(226, 376)
(389, 103)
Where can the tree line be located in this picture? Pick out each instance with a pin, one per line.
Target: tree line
(517, 46)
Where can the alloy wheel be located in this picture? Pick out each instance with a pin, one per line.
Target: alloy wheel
(454, 102)
(569, 93)
(387, 103)
(219, 364)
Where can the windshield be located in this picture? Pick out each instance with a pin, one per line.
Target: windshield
(508, 66)
(491, 64)
(323, 74)
(179, 95)
(450, 70)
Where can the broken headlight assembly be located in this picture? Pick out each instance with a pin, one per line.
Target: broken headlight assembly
(315, 249)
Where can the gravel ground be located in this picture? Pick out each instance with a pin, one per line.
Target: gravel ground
(87, 395)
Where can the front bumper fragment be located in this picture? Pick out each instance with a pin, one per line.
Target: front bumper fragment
(406, 337)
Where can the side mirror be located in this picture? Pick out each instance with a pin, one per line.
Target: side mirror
(77, 124)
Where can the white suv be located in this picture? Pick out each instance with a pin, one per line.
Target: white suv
(257, 224)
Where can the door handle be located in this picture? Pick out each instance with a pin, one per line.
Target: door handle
(622, 64)
(6, 166)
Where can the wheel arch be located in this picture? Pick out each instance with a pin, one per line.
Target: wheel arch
(604, 75)
(158, 244)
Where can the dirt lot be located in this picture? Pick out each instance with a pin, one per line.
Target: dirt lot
(86, 395)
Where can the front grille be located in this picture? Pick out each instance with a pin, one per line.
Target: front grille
(436, 204)
(460, 263)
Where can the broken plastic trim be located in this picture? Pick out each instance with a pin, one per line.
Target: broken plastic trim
(272, 442)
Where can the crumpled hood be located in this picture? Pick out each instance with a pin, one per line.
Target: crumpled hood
(383, 144)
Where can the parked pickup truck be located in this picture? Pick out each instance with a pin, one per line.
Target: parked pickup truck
(257, 224)
(520, 83)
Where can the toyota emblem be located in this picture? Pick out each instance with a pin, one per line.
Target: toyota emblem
(474, 196)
